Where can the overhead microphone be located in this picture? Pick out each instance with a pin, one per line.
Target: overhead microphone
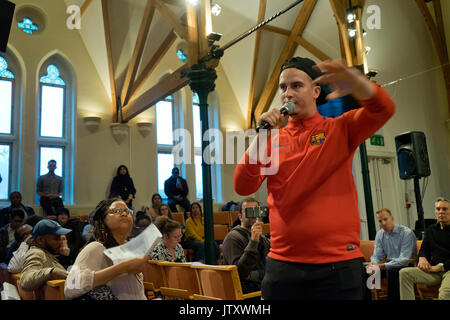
(284, 110)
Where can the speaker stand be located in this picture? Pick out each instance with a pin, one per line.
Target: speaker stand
(420, 215)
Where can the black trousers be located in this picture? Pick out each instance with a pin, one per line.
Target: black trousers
(51, 206)
(183, 203)
(342, 280)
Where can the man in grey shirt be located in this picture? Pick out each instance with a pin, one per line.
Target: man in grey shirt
(246, 247)
(398, 244)
(50, 188)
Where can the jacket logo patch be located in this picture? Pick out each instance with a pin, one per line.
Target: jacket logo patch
(318, 139)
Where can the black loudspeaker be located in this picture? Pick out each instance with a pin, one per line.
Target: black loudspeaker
(6, 18)
(412, 155)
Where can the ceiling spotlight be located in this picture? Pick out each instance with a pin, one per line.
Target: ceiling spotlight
(352, 33)
(351, 17)
(368, 49)
(364, 33)
(216, 9)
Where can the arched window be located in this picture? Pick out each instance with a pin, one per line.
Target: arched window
(215, 167)
(8, 130)
(55, 122)
(164, 140)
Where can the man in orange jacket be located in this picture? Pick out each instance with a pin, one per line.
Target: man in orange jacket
(312, 199)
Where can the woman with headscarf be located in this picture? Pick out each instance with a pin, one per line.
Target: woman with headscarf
(123, 186)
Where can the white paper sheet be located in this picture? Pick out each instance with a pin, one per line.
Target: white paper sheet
(137, 247)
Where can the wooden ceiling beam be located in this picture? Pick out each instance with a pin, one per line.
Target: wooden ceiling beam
(312, 49)
(166, 86)
(286, 53)
(85, 6)
(192, 39)
(171, 18)
(106, 24)
(152, 64)
(355, 53)
(138, 51)
(251, 97)
(438, 35)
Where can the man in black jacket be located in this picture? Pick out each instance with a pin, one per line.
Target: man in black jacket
(434, 257)
(176, 190)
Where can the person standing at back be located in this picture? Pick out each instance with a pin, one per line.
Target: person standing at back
(122, 186)
(50, 188)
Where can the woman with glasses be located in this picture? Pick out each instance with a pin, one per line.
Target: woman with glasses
(169, 248)
(92, 269)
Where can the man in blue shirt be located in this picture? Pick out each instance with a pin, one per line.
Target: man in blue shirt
(397, 244)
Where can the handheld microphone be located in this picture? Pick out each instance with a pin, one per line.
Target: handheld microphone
(288, 107)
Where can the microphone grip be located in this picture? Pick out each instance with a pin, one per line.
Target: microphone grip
(263, 125)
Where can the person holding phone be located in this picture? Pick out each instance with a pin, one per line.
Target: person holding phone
(246, 247)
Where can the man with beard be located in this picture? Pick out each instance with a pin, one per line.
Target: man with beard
(246, 247)
(40, 263)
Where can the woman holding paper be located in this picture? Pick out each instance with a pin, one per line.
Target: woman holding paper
(92, 269)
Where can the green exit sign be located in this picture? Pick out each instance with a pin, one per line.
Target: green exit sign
(377, 140)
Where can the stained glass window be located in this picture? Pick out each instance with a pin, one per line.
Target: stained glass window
(27, 26)
(4, 72)
(52, 76)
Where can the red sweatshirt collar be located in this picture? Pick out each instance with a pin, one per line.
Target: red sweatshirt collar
(306, 122)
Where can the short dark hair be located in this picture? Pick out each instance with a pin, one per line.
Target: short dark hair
(17, 213)
(63, 211)
(13, 193)
(246, 200)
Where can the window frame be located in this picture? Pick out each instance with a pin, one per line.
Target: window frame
(66, 142)
(13, 139)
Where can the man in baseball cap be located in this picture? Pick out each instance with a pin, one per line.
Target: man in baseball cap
(40, 263)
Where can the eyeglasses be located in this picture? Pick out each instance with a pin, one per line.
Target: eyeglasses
(119, 211)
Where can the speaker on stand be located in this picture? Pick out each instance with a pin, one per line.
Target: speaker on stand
(6, 18)
(413, 163)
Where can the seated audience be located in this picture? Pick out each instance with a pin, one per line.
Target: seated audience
(194, 237)
(153, 211)
(24, 240)
(112, 222)
(16, 203)
(7, 232)
(40, 263)
(88, 230)
(169, 248)
(142, 221)
(434, 257)
(398, 243)
(23, 232)
(74, 239)
(50, 188)
(246, 247)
